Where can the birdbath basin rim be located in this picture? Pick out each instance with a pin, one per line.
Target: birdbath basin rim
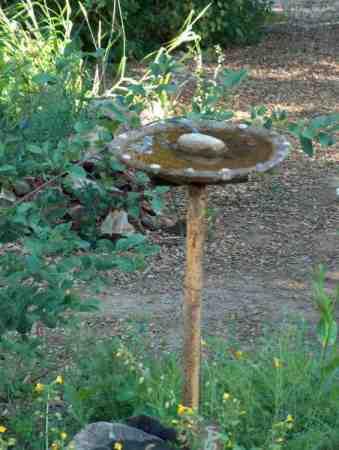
(133, 147)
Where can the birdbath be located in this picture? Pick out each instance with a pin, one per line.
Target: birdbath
(196, 154)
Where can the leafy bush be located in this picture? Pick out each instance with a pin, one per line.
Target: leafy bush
(233, 21)
(150, 23)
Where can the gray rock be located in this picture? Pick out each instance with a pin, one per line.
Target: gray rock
(21, 187)
(7, 198)
(116, 223)
(101, 434)
(198, 144)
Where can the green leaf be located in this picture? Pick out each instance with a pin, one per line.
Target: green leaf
(332, 333)
(129, 242)
(309, 133)
(7, 169)
(157, 204)
(326, 139)
(43, 78)
(262, 110)
(294, 128)
(33, 263)
(332, 366)
(231, 78)
(126, 264)
(83, 127)
(35, 149)
(162, 189)
(116, 166)
(307, 146)
(125, 395)
(77, 172)
(324, 121)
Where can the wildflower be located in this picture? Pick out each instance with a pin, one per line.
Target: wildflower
(290, 419)
(63, 435)
(39, 387)
(55, 446)
(117, 446)
(226, 396)
(277, 363)
(59, 380)
(184, 410)
(238, 354)
(203, 343)
(3, 429)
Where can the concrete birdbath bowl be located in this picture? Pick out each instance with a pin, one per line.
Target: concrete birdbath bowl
(196, 154)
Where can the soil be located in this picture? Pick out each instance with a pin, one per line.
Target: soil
(266, 237)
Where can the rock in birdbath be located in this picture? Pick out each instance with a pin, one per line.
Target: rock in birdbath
(198, 144)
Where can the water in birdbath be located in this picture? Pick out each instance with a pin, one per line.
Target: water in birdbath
(241, 150)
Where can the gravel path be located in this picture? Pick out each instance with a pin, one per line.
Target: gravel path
(265, 237)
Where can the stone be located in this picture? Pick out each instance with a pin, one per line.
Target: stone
(102, 434)
(116, 223)
(7, 198)
(21, 187)
(202, 145)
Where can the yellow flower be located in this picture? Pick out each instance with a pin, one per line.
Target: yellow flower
(63, 435)
(184, 410)
(277, 363)
(39, 387)
(290, 419)
(3, 429)
(55, 446)
(117, 446)
(203, 343)
(59, 380)
(226, 396)
(238, 354)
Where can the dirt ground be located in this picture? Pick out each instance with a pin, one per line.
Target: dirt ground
(267, 236)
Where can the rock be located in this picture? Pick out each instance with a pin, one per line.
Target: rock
(21, 187)
(102, 434)
(157, 222)
(7, 198)
(116, 223)
(202, 145)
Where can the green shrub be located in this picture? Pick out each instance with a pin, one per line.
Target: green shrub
(150, 23)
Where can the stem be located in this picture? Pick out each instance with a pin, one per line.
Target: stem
(47, 420)
(196, 230)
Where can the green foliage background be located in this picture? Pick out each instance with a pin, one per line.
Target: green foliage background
(149, 23)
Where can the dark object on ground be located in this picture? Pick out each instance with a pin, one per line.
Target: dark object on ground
(139, 433)
(152, 426)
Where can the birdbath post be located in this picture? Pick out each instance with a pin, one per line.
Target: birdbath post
(196, 154)
(196, 231)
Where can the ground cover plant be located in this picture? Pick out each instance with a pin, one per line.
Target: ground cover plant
(56, 225)
(260, 398)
